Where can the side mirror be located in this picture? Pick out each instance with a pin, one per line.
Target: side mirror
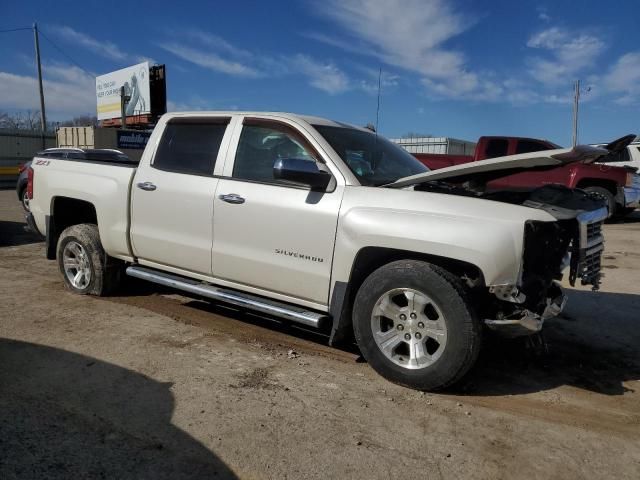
(301, 172)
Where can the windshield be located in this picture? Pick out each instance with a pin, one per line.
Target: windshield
(372, 158)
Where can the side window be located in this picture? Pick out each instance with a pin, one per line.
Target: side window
(189, 147)
(497, 147)
(528, 146)
(621, 156)
(261, 144)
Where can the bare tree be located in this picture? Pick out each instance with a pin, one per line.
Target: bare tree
(30, 120)
(26, 120)
(80, 121)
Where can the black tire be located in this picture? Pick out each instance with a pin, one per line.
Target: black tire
(464, 332)
(106, 272)
(607, 196)
(24, 200)
(627, 211)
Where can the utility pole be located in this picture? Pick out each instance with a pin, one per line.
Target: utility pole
(576, 100)
(43, 117)
(124, 99)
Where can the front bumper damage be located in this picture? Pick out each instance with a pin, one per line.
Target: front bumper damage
(524, 321)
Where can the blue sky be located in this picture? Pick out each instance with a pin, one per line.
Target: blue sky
(459, 68)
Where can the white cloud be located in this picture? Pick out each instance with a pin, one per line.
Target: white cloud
(216, 42)
(543, 14)
(568, 54)
(412, 35)
(68, 91)
(215, 53)
(623, 78)
(323, 76)
(101, 47)
(348, 46)
(104, 48)
(210, 60)
(369, 85)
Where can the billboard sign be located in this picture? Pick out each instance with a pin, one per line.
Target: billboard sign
(132, 140)
(135, 80)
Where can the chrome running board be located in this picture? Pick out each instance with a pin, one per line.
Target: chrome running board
(238, 299)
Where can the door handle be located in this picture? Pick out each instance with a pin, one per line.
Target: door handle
(232, 198)
(148, 186)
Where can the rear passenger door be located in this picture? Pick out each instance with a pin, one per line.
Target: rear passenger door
(270, 235)
(172, 199)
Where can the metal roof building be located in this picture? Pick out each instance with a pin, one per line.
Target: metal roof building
(444, 145)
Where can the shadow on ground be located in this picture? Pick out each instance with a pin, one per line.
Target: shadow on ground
(631, 218)
(593, 346)
(206, 313)
(65, 415)
(14, 234)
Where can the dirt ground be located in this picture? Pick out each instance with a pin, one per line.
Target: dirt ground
(151, 384)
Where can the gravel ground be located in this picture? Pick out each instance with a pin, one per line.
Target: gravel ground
(152, 384)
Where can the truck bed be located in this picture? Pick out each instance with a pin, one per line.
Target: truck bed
(101, 178)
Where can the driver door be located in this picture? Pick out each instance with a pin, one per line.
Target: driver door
(269, 235)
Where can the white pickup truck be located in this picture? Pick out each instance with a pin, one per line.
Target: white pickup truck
(629, 157)
(327, 225)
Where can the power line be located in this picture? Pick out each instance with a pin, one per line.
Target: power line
(65, 54)
(53, 44)
(15, 29)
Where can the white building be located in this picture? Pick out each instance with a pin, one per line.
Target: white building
(444, 145)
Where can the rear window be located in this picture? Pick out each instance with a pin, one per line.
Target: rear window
(621, 156)
(190, 146)
(497, 147)
(528, 146)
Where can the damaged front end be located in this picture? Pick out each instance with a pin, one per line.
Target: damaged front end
(575, 241)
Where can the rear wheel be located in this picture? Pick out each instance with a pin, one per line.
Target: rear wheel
(85, 267)
(607, 196)
(24, 199)
(414, 325)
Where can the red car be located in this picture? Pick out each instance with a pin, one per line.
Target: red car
(618, 185)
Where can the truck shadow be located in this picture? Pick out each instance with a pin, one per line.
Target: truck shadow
(209, 314)
(593, 346)
(13, 234)
(65, 415)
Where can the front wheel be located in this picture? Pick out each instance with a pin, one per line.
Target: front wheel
(85, 267)
(415, 326)
(607, 196)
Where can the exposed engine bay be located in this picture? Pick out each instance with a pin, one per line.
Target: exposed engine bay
(575, 240)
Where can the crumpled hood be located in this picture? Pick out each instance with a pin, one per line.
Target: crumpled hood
(493, 168)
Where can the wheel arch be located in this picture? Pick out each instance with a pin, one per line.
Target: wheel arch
(65, 212)
(369, 259)
(610, 185)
